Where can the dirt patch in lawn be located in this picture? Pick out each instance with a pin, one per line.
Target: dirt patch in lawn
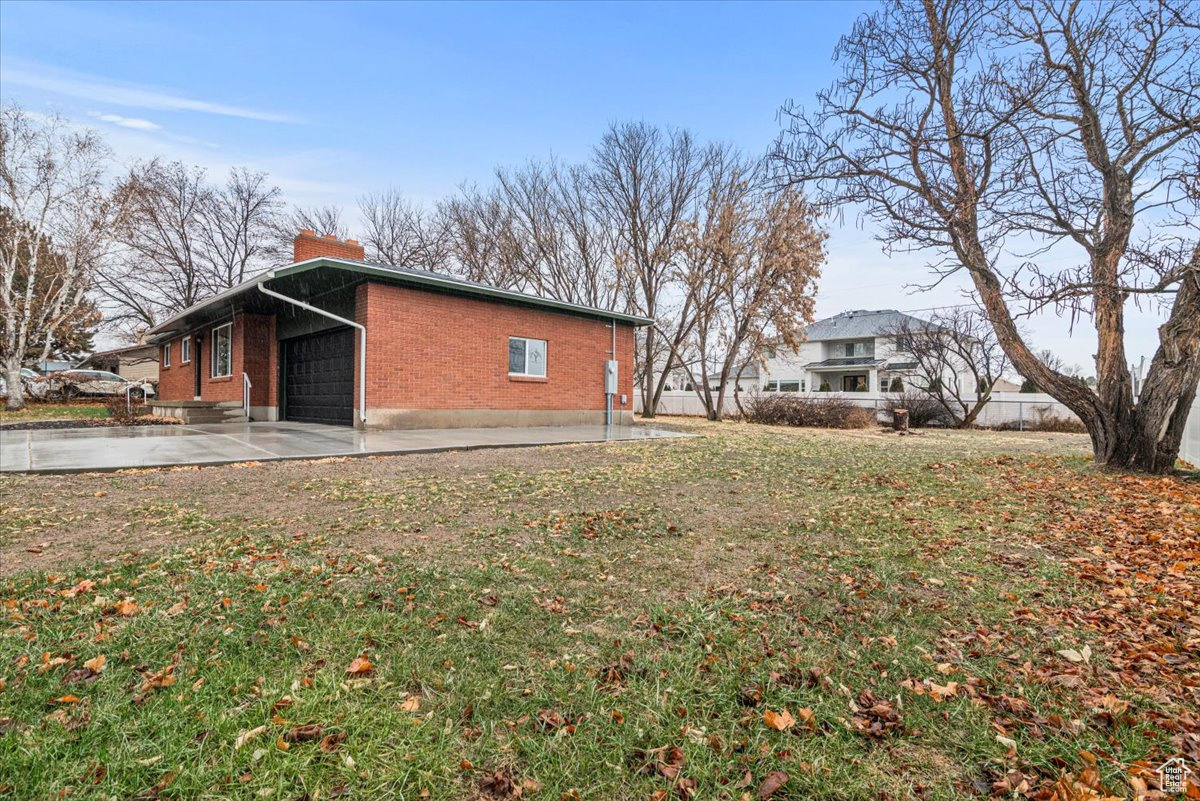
(462, 506)
(54, 521)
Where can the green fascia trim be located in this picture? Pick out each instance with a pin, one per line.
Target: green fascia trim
(458, 287)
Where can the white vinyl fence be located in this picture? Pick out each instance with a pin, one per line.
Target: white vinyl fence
(1190, 450)
(1004, 409)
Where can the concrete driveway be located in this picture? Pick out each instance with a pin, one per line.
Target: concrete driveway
(86, 449)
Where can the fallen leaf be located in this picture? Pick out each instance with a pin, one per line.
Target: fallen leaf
(772, 783)
(247, 736)
(410, 704)
(779, 721)
(361, 666)
(96, 663)
(330, 742)
(305, 733)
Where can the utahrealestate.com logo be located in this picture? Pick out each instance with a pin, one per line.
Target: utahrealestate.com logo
(1173, 775)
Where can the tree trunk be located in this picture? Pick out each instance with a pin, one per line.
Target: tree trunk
(649, 401)
(16, 390)
(1150, 433)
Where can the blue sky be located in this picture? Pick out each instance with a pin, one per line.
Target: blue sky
(338, 99)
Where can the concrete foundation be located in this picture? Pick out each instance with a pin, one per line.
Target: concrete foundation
(264, 414)
(403, 419)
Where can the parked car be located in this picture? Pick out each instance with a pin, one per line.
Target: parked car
(27, 375)
(96, 383)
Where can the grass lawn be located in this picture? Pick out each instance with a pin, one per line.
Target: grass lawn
(54, 411)
(757, 613)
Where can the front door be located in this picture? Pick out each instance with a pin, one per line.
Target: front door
(197, 361)
(854, 383)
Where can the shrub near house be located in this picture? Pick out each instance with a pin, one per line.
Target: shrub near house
(830, 411)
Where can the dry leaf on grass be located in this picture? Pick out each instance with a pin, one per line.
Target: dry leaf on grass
(774, 781)
(779, 721)
(247, 736)
(361, 666)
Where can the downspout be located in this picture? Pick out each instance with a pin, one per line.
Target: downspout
(362, 347)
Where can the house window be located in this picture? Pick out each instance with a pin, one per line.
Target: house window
(185, 350)
(784, 386)
(166, 357)
(854, 350)
(222, 351)
(527, 357)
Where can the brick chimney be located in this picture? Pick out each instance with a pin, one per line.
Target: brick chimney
(308, 245)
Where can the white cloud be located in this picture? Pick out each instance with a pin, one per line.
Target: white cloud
(135, 123)
(100, 90)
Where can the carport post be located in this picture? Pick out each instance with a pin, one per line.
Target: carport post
(362, 342)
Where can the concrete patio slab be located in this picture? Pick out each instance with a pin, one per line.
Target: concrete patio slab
(118, 448)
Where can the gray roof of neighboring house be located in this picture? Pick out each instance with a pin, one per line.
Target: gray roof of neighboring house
(861, 324)
(749, 371)
(152, 350)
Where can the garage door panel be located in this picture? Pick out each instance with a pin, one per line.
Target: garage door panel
(319, 377)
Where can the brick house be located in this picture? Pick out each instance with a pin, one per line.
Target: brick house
(439, 351)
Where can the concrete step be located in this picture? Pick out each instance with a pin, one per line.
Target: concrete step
(200, 412)
(205, 416)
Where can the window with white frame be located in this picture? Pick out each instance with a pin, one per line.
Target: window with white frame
(527, 357)
(859, 349)
(166, 355)
(222, 351)
(785, 385)
(185, 350)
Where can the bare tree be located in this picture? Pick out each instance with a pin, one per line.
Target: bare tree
(647, 182)
(184, 240)
(538, 230)
(958, 360)
(477, 226)
(754, 260)
(60, 214)
(237, 221)
(968, 128)
(558, 243)
(399, 232)
(324, 220)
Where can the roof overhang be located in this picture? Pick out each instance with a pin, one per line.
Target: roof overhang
(818, 367)
(344, 272)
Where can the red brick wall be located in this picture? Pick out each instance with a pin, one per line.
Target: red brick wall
(259, 358)
(307, 245)
(255, 352)
(174, 382)
(432, 351)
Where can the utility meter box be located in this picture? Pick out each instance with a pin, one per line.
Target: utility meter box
(610, 377)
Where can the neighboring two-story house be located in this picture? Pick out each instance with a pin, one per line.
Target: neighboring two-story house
(855, 351)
